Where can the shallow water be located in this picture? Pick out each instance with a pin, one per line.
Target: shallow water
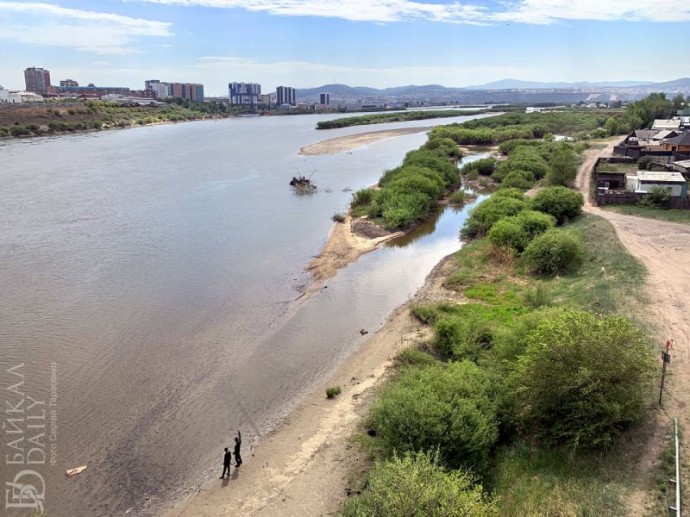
(148, 279)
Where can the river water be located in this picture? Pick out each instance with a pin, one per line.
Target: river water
(148, 279)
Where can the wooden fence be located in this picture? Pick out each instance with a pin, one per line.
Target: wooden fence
(630, 198)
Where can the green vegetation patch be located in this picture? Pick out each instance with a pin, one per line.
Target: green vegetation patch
(417, 484)
(401, 116)
(530, 480)
(673, 216)
(449, 407)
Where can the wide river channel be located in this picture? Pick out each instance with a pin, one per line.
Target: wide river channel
(149, 279)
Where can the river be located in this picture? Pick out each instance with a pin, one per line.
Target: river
(149, 279)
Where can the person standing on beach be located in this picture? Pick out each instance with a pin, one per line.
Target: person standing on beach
(238, 444)
(227, 458)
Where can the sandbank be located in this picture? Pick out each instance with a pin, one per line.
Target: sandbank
(349, 142)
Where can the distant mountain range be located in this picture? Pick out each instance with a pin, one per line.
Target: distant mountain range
(516, 84)
(506, 90)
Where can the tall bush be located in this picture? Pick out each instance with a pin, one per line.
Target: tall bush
(563, 167)
(554, 252)
(417, 485)
(583, 379)
(448, 406)
(485, 215)
(561, 202)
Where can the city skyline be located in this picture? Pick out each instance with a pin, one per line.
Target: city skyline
(377, 43)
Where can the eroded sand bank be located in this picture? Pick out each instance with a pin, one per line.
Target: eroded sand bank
(349, 142)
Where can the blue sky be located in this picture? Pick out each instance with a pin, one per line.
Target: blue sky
(378, 43)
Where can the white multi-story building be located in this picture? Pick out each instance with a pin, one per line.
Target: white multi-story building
(159, 89)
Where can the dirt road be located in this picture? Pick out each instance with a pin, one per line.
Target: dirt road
(664, 249)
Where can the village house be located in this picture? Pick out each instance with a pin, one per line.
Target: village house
(668, 124)
(642, 182)
(683, 167)
(678, 144)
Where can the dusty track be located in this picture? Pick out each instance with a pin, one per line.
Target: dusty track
(664, 249)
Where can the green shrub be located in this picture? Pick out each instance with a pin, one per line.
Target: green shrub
(400, 211)
(430, 160)
(534, 223)
(599, 133)
(583, 379)
(458, 197)
(507, 233)
(514, 193)
(19, 131)
(445, 406)
(537, 296)
(332, 392)
(483, 166)
(362, 197)
(561, 202)
(483, 217)
(414, 357)
(338, 217)
(658, 197)
(554, 252)
(508, 147)
(518, 231)
(523, 180)
(414, 179)
(563, 167)
(416, 485)
(522, 159)
(445, 147)
(644, 163)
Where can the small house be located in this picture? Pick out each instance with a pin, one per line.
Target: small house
(678, 144)
(644, 181)
(610, 180)
(683, 167)
(668, 124)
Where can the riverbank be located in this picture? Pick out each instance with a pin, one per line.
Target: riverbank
(302, 468)
(28, 120)
(350, 142)
(347, 242)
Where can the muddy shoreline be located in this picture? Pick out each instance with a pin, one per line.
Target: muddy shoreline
(302, 467)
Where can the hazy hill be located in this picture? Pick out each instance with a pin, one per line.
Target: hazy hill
(506, 90)
(516, 84)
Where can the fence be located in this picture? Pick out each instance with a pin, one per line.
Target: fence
(676, 509)
(630, 198)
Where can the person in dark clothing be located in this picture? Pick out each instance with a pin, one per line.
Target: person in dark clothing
(227, 458)
(238, 444)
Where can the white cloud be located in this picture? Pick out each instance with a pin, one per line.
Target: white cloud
(355, 10)
(549, 11)
(523, 11)
(38, 23)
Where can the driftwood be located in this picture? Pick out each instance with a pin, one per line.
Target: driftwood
(302, 185)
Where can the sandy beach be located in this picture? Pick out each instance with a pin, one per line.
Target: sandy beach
(349, 142)
(303, 468)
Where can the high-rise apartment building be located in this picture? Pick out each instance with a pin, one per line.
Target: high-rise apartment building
(187, 91)
(325, 99)
(244, 94)
(69, 83)
(37, 80)
(285, 95)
